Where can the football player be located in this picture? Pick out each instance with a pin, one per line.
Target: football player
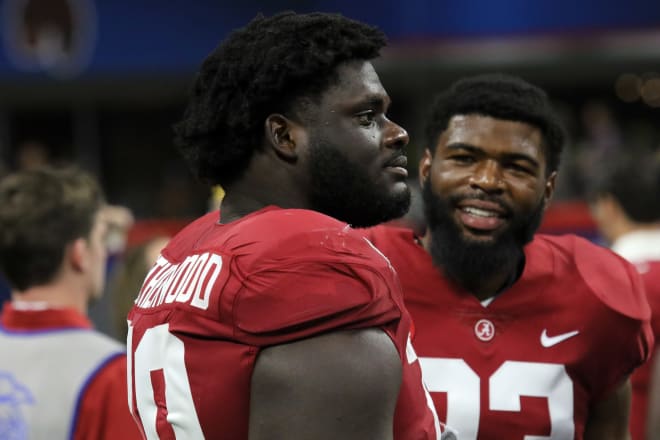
(520, 336)
(274, 319)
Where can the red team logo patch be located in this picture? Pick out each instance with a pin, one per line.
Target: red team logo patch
(484, 330)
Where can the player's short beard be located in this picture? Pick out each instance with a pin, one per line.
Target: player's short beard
(345, 190)
(467, 261)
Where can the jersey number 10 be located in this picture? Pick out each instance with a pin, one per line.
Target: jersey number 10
(160, 375)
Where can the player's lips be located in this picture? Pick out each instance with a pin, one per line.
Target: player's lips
(397, 165)
(481, 215)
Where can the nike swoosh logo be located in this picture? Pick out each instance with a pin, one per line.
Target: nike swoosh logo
(549, 341)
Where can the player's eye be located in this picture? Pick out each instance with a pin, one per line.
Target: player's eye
(462, 158)
(366, 118)
(518, 168)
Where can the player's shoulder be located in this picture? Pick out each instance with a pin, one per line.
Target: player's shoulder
(385, 232)
(650, 271)
(386, 237)
(302, 233)
(307, 272)
(268, 230)
(612, 279)
(189, 236)
(286, 222)
(279, 237)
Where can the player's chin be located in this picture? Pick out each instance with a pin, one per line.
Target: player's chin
(381, 207)
(480, 236)
(391, 186)
(399, 201)
(400, 188)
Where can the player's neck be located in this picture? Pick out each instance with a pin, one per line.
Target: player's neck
(56, 295)
(484, 287)
(499, 282)
(241, 201)
(489, 287)
(267, 181)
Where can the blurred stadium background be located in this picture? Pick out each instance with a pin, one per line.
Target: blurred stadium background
(101, 82)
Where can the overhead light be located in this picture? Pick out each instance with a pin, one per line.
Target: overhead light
(628, 87)
(651, 92)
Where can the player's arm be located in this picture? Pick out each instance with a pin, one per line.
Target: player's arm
(608, 419)
(341, 385)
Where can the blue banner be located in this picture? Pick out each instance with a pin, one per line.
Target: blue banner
(70, 38)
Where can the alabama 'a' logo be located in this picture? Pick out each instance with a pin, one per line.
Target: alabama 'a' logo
(484, 330)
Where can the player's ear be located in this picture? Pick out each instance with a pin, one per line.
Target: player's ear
(549, 189)
(77, 255)
(284, 136)
(425, 167)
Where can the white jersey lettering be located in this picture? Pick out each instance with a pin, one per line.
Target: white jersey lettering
(190, 281)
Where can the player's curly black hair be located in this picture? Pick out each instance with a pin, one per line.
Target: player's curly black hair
(500, 96)
(258, 70)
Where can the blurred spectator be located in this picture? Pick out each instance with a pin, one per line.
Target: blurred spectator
(128, 276)
(624, 202)
(119, 221)
(602, 138)
(32, 154)
(59, 378)
(602, 131)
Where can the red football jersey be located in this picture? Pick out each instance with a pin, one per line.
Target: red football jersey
(220, 293)
(532, 362)
(650, 272)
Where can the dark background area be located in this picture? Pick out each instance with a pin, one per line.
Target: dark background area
(101, 82)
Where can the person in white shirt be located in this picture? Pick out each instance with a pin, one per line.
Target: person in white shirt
(625, 203)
